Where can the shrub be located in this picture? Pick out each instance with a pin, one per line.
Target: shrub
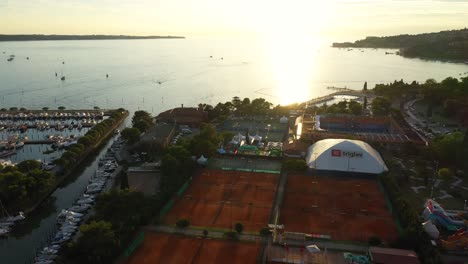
(182, 223)
(231, 235)
(265, 231)
(445, 173)
(374, 241)
(239, 227)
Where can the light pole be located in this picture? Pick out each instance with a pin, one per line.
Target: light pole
(268, 131)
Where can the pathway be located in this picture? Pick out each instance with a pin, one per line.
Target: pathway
(253, 237)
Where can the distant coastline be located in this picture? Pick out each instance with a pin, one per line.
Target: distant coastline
(39, 37)
(448, 45)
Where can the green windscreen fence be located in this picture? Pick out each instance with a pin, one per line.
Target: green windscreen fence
(134, 245)
(183, 188)
(395, 215)
(169, 204)
(166, 208)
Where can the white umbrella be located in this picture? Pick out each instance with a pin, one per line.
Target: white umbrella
(313, 249)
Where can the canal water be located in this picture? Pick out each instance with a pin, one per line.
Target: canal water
(34, 233)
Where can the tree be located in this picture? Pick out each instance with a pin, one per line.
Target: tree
(364, 106)
(380, 106)
(365, 87)
(125, 209)
(205, 233)
(374, 241)
(142, 120)
(29, 165)
(183, 223)
(45, 108)
(131, 134)
(265, 231)
(61, 108)
(355, 108)
(97, 244)
(205, 143)
(96, 108)
(449, 148)
(239, 227)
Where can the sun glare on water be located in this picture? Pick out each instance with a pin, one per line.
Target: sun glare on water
(291, 37)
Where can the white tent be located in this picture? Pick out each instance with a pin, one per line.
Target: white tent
(313, 249)
(239, 137)
(202, 160)
(345, 155)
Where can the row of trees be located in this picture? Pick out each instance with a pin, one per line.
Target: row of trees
(22, 184)
(451, 149)
(246, 107)
(451, 94)
(76, 151)
(343, 107)
(119, 214)
(141, 122)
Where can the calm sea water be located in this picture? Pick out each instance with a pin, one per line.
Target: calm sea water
(156, 75)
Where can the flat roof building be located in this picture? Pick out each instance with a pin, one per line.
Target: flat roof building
(379, 255)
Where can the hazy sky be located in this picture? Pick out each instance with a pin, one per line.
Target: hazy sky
(337, 19)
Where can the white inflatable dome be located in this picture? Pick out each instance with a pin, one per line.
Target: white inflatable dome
(345, 155)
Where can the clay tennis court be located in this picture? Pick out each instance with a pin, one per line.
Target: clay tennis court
(345, 209)
(170, 248)
(219, 198)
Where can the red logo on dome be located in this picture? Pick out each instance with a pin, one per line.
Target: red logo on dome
(336, 153)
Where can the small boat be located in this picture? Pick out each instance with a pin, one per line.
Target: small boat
(10, 59)
(17, 218)
(62, 78)
(48, 151)
(7, 153)
(80, 208)
(19, 144)
(4, 231)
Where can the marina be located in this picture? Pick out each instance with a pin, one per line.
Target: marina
(68, 220)
(40, 228)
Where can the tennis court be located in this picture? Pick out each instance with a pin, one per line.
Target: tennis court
(345, 209)
(221, 198)
(171, 248)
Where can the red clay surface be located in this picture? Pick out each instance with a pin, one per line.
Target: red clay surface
(345, 209)
(174, 249)
(217, 198)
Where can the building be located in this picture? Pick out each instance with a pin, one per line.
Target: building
(345, 155)
(161, 133)
(190, 116)
(380, 255)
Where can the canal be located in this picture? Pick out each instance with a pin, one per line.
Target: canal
(32, 234)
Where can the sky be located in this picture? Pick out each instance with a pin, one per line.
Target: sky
(333, 19)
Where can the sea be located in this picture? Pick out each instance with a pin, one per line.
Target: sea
(156, 75)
